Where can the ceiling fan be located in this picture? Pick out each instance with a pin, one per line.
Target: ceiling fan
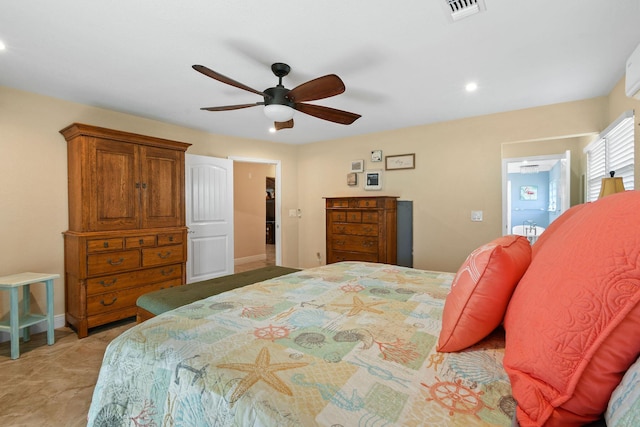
(281, 103)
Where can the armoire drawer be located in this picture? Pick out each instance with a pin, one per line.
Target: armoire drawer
(140, 241)
(112, 301)
(112, 262)
(169, 239)
(99, 285)
(162, 255)
(102, 245)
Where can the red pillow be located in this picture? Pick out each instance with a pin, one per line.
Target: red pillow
(573, 323)
(540, 242)
(481, 291)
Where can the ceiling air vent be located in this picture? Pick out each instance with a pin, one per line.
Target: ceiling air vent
(460, 9)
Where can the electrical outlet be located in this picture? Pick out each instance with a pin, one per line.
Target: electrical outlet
(476, 216)
(293, 213)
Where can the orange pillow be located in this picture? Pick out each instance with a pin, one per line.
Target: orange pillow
(540, 242)
(573, 323)
(481, 291)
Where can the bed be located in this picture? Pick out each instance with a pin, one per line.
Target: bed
(347, 344)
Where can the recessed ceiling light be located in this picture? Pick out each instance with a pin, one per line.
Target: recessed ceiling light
(471, 87)
(272, 130)
(2, 45)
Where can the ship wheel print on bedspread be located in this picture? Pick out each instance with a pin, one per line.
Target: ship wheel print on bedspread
(456, 397)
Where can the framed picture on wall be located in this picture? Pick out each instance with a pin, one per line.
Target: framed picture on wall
(529, 192)
(357, 166)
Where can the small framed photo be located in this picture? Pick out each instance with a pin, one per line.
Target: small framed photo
(357, 166)
(352, 179)
(376, 156)
(373, 180)
(400, 161)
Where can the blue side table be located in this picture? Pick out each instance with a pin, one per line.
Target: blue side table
(21, 321)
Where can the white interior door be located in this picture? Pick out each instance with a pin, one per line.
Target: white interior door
(209, 215)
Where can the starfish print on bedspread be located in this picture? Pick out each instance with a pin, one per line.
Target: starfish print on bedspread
(263, 370)
(358, 306)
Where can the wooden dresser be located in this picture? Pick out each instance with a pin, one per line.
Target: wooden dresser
(127, 233)
(361, 229)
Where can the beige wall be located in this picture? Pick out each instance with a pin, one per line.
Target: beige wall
(458, 169)
(33, 179)
(249, 184)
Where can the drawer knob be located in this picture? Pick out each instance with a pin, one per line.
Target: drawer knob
(171, 238)
(111, 262)
(165, 256)
(340, 229)
(107, 304)
(367, 244)
(105, 244)
(368, 229)
(166, 272)
(141, 241)
(106, 285)
(340, 242)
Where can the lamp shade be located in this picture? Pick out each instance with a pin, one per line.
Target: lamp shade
(279, 113)
(610, 186)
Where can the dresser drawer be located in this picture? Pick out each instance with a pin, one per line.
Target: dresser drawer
(356, 229)
(112, 262)
(338, 256)
(169, 239)
(354, 216)
(355, 243)
(338, 203)
(368, 203)
(340, 216)
(112, 301)
(116, 282)
(370, 217)
(140, 241)
(162, 255)
(101, 245)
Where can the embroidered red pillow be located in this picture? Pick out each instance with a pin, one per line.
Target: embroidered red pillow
(481, 291)
(572, 326)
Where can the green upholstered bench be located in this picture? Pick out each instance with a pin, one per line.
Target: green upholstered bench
(157, 302)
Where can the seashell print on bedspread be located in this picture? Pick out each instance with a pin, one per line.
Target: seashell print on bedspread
(347, 344)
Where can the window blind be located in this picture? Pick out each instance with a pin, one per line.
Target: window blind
(613, 150)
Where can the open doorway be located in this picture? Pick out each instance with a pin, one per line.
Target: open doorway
(256, 213)
(536, 191)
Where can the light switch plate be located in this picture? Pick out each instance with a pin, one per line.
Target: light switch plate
(476, 216)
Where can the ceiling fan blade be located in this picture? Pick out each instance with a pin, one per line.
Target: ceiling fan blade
(330, 114)
(320, 88)
(224, 79)
(231, 107)
(283, 125)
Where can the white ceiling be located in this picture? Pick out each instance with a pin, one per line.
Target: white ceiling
(404, 63)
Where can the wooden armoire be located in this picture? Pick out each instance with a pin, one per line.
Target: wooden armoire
(362, 229)
(127, 233)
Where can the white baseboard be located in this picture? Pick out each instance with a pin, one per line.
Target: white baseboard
(58, 322)
(248, 259)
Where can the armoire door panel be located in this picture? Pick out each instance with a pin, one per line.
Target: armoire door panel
(162, 187)
(115, 201)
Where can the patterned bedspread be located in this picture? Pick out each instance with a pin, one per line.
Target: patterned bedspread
(347, 344)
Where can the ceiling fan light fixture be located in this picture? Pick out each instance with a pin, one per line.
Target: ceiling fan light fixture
(279, 113)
